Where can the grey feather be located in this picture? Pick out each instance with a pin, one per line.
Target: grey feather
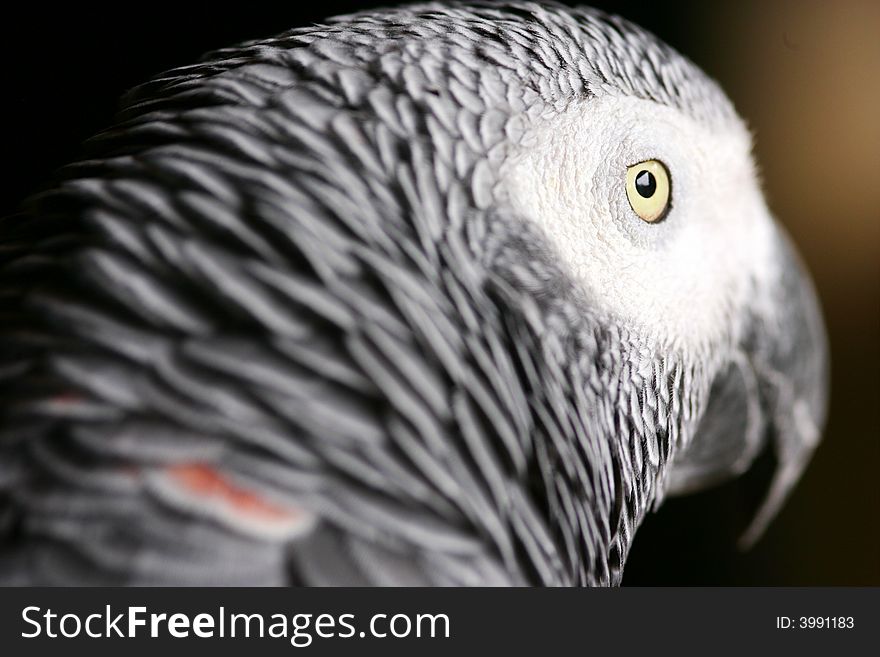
(286, 263)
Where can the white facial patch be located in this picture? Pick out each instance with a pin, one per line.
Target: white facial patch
(680, 281)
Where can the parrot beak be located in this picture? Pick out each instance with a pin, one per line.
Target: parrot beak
(787, 352)
(773, 392)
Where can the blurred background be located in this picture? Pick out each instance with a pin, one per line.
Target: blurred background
(806, 76)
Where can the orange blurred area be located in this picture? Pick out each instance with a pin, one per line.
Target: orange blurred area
(807, 77)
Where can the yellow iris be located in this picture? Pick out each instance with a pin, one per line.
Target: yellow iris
(647, 188)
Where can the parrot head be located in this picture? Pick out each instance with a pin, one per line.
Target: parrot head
(647, 193)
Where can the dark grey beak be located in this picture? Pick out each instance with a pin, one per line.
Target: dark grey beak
(788, 353)
(774, 389)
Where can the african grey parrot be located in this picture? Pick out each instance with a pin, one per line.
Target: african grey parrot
(442, 294)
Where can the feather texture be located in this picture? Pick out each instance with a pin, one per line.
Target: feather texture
(275, 329)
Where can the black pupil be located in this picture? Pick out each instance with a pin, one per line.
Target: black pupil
(645, 184)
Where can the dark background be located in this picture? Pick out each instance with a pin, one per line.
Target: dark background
(805, 75)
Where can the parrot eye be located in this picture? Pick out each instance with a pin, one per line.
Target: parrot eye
(647, 188)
